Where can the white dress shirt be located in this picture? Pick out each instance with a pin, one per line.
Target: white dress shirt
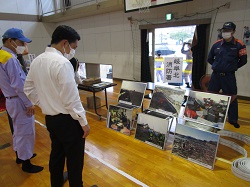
(50, 84)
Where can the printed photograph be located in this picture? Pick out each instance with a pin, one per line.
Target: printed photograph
(207, 108)
(196, 145)
(152, 130)
(119, 119)
(132, 93)
(102, 84)
(167, 99)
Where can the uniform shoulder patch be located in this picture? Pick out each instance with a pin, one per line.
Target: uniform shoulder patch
(218, 41)
(4, 56)
(240, 42)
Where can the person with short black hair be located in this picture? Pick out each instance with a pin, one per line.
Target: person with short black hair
(226, 56)
(158, 66)
(50, 84)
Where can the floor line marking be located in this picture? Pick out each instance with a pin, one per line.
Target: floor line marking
(117, 170)
(109, 165)
(224, 160)
(244, 120)
(41, 124)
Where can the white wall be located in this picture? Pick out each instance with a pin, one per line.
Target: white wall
(19, 7)
(108, 38)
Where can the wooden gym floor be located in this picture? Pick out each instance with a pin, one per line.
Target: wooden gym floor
(113, 159)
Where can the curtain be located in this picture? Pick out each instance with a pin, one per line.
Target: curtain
(145, 68)
(199, 58)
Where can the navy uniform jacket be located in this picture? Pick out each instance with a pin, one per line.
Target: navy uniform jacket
(227, 56)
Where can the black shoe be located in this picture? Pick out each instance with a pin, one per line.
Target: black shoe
(65, 176)
(30, 168)
(188, 86)
(236, 125)
(19, 161)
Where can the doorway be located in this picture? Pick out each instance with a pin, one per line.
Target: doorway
(171, 42)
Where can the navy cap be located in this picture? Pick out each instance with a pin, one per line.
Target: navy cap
(17, 34)
(229, 25)
(158, 52)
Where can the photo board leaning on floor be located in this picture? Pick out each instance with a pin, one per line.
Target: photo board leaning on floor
(196, 145)
(131, 94)
(152, 130)
(207, 108)
(167, 100)
(119, 119)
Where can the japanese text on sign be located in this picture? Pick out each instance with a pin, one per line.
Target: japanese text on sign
(173, 69)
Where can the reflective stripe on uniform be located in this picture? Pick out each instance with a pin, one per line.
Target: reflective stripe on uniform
(159, 68)
(187, 71)
(188, 60)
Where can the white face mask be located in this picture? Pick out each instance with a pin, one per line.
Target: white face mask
(226, 35)
(71, 53)
(19, 49)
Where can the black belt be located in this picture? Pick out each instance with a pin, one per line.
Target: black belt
(58, 115)
(11, 97)
(223, 73)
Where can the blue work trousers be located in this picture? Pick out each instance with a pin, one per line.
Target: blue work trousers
(24, 128)
(227, 83)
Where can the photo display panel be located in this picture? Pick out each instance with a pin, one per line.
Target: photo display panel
(207, 108)
(134, 5)
(152, 130)
(132, 93)
(119, 119)
(167, 100)
(196, 145)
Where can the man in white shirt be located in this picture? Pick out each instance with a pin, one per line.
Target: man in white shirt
(50, 84)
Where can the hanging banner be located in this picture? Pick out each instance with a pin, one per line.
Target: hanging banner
(173, 69)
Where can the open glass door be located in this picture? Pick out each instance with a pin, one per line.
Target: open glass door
(151, 43)
(173, 42)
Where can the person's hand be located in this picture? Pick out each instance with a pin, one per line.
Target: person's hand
(86, 130)
(30, 111)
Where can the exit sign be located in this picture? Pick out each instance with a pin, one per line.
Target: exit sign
(169, 17)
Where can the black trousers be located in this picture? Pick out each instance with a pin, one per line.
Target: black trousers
(66, 143)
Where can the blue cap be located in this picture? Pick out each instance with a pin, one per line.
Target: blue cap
(17, 34)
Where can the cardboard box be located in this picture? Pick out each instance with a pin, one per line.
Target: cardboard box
(91, 81)
(90, 102)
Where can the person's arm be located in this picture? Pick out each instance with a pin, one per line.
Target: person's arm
(30, 90)
(182, 49)
(210, 58)
(16, 80)
(78, 78)
(69, 94)
(242, 56)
